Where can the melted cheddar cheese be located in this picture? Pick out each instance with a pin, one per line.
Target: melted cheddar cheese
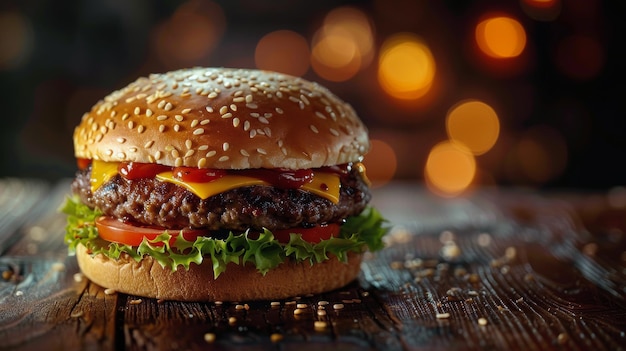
(324, 184)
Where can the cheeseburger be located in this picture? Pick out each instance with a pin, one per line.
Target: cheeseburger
(221, 184)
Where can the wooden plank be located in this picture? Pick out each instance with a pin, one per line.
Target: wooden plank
(498, 270)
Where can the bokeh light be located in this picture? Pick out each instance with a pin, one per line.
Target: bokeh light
(189, 36)
(474, 124)
(500, 37)
(579, 57)
(283, 51)
(343, 45)
(16, 40)
(406, 67)
(541, 154)
(381, 163)
(541, 10)
(450, 169)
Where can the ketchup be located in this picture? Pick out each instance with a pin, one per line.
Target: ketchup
(138, 170)
(279, 177)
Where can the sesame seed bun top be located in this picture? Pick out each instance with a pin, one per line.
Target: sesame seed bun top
(222, 118)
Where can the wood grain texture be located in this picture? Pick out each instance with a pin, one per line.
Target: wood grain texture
(497, 270)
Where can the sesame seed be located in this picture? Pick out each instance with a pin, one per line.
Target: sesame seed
(264, 120)
(244, 152)
(302, 305)
(161, 117)
(204, 122)
(125, 116)
(141, 129)
(320, 115)
(279, 110)
(334, 132)
(188, 144)
(223, 158)
(239, 99)
(161, 128)
(194, 123)
(161, 104)
(198, 131)
(227, 115)
(338, 306)
(179, 118)
(133, 149)
(121, 155)
(137, 110)
(314, 129)
(235, 122)
(131, 124)
(148, 112)
(223, 110)
(189, 153)
(301, 105)
(225, 146)
(248, 98)
(233, 107)
(203, 147)
(261, 151)
(211, 153)
(209, 109)
(246, 125)
(212, 95)
(303, 98)
(275, 303)
(121, 140)
(148, 144)
(176, 127)
(255, 114)
(292, 98)
(168, 106)
(174, 153)
(202, 163)
(252, 106)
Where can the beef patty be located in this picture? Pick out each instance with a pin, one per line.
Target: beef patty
(154, 202)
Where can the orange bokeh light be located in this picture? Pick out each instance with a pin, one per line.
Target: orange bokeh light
(16, 39)
(381, 163)
(474, 124)
(406, 67)
(500, 37)
(343, 45)
(283, 51)
(450, 169)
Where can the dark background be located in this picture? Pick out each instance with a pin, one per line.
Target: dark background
(76, 52)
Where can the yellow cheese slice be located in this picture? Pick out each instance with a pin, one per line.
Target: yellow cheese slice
(325, 185)
(101, 172)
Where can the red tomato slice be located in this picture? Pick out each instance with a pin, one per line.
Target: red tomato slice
(111, 229)
(313, 235)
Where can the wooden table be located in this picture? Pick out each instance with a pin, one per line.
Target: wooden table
(498, 269)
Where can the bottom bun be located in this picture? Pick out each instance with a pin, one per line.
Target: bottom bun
(238, 283)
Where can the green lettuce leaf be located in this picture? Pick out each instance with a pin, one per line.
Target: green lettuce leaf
(358, 233)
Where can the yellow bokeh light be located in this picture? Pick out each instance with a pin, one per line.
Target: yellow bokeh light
(450, 169)
(500, 37)
(381, 163)
(283, 51)
(474, 124)
(406, 67)
(343, 45)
